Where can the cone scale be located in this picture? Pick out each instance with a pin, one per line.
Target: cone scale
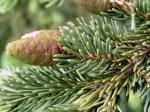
(36, 48)
(95, 6)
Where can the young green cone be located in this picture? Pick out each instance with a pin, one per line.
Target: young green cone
(95, 6)
(36, 48)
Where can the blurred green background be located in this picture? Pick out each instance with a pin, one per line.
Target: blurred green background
(31, 15)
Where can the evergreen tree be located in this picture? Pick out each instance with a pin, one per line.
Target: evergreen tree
(100, 65)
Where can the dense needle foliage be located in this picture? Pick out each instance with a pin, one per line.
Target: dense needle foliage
(106, 63)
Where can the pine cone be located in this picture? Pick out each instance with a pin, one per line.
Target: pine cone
(36, 48)
(95, 6)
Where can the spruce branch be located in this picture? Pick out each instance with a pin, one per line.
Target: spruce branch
(50, 87)
(45, 86)
(125, 9)
(133, 12)
(105, 62)
(86, 79)
(50, 3)
(95, 40)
